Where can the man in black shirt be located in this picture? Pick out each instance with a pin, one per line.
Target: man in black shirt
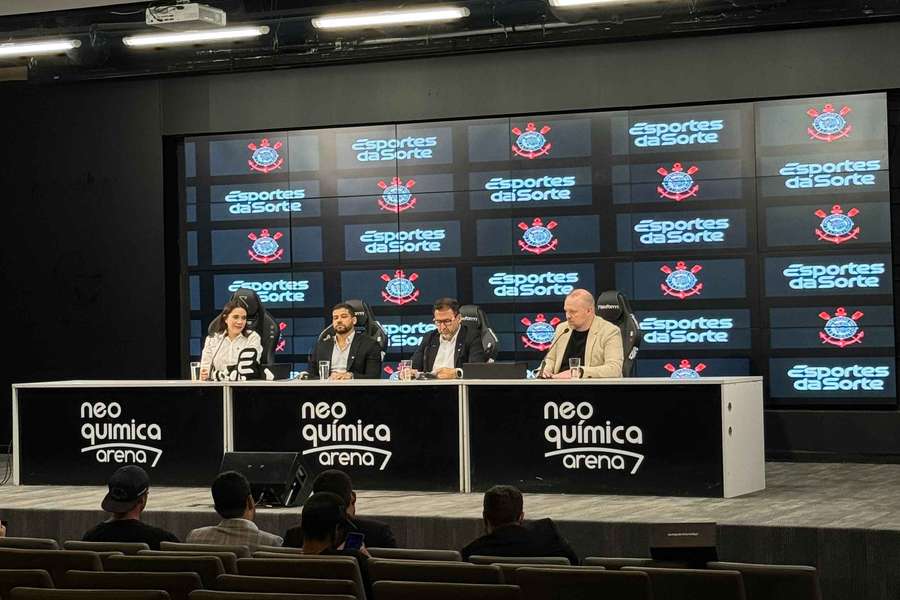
(507, 535)
(126, 500)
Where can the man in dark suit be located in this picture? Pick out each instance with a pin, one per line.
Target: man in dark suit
(377, 534)
(351, 355)
(507, 535)
(453, 344)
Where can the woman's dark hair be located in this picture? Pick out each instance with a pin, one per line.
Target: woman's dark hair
(226, 310)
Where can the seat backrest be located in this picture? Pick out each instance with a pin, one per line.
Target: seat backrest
(272, 553)
(24, 593)
(479, 559)
(229, 560)
(55, 562)
(614, 307)
(384, 569)
(417, 590)
(775, 582)
(365, 323)
(307, 567)
(276, 585)
(618, 563)
(238, 551)
(258, 320)
(177, 585)
(472, 316)
(415, 554)
(207, 567)
(509, 570)
(33, 578)
(579, 583)
(123, 547)
(221, 595)
(29, 543)
(697, 584)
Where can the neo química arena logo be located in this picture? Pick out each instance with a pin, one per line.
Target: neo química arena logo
(841, 329)
(828, 125)
(531, 142)
(681, 282)
(264, 248)
(678, 183)
(265, 157)
(837, 226)
(537, 238)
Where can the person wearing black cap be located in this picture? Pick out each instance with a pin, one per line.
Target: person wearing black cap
(126, 500)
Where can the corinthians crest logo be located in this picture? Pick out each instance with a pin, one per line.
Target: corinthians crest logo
(539, 333)
(400, 289)
(841, 330)
(265, 248)
(684, 370)
(538, 238)
(837, 227)
(678, 184)
(265, 157)
(396, 195)
(531, 142)
(282, 341)
(828, 125)
(681, 282)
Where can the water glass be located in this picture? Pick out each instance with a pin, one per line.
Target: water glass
(195, 371)
(575, 368)
(324, 369)
(405, 370)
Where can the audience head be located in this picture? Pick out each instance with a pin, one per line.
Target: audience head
(232, 497)
(579, 307)
(127, 495)
(323, 515)
(446, 317)
(338, 483)
(502, 506)
(233, 318)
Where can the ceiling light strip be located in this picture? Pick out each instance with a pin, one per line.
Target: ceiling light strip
(193, 37)
(35, 48)
(391, 17)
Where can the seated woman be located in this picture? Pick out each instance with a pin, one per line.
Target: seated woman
(229, 344)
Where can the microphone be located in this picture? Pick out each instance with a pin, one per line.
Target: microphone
(541, 366)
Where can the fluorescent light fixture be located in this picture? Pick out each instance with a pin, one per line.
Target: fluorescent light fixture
(579, 3)
(35, 48)
(390, 17)
(223, 34)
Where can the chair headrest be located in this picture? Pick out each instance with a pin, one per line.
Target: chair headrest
(610, 306)
(362, 311)
(472, 315)
(249, 299)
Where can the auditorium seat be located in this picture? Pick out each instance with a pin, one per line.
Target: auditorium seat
(219, 595)
(775, 582)
(307, 567)
(55, 562)
(229, 560)
(271, 553)
(508, 570)
(580, 583)
(24, 593)
(33, 578)
(415, 554)
(207, 567)
(295, 585)
(696, 584)
(618, 563)
(479, 559)
(123, 547)
(177, 585)
(239, 551)
(28, 543)
(419, 590)
(383, 569)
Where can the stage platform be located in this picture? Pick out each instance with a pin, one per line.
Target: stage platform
(842, 518)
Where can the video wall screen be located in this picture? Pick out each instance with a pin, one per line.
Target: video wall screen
(752, 238)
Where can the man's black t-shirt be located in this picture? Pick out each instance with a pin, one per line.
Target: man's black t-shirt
(574, 349)
(129, 530)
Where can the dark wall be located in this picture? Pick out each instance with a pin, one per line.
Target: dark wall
(84, 240)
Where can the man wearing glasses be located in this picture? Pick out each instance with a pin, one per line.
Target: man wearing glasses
(453, 344)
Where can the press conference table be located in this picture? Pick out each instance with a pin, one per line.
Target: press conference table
(648, 436)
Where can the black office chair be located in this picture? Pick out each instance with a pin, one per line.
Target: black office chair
(258, 320)
(365, 323)
(613, 306)
(473, 316)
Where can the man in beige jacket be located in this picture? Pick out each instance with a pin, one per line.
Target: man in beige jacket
(584, 335)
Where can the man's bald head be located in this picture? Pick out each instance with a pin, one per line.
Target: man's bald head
(579, 307)
(582, 297)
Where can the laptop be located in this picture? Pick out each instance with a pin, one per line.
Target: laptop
(495, 370)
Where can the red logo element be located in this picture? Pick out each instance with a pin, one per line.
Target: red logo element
(678, 184)
(282, 343)
(397, 196)
(392, 373)
(539, 334)
(265, 157)
(828, 125)
(538, 238)
(841, 330)
(684, 370)
(681, 282)
(400, 289)
(531, 142)
(265, 247)
(837, 227)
